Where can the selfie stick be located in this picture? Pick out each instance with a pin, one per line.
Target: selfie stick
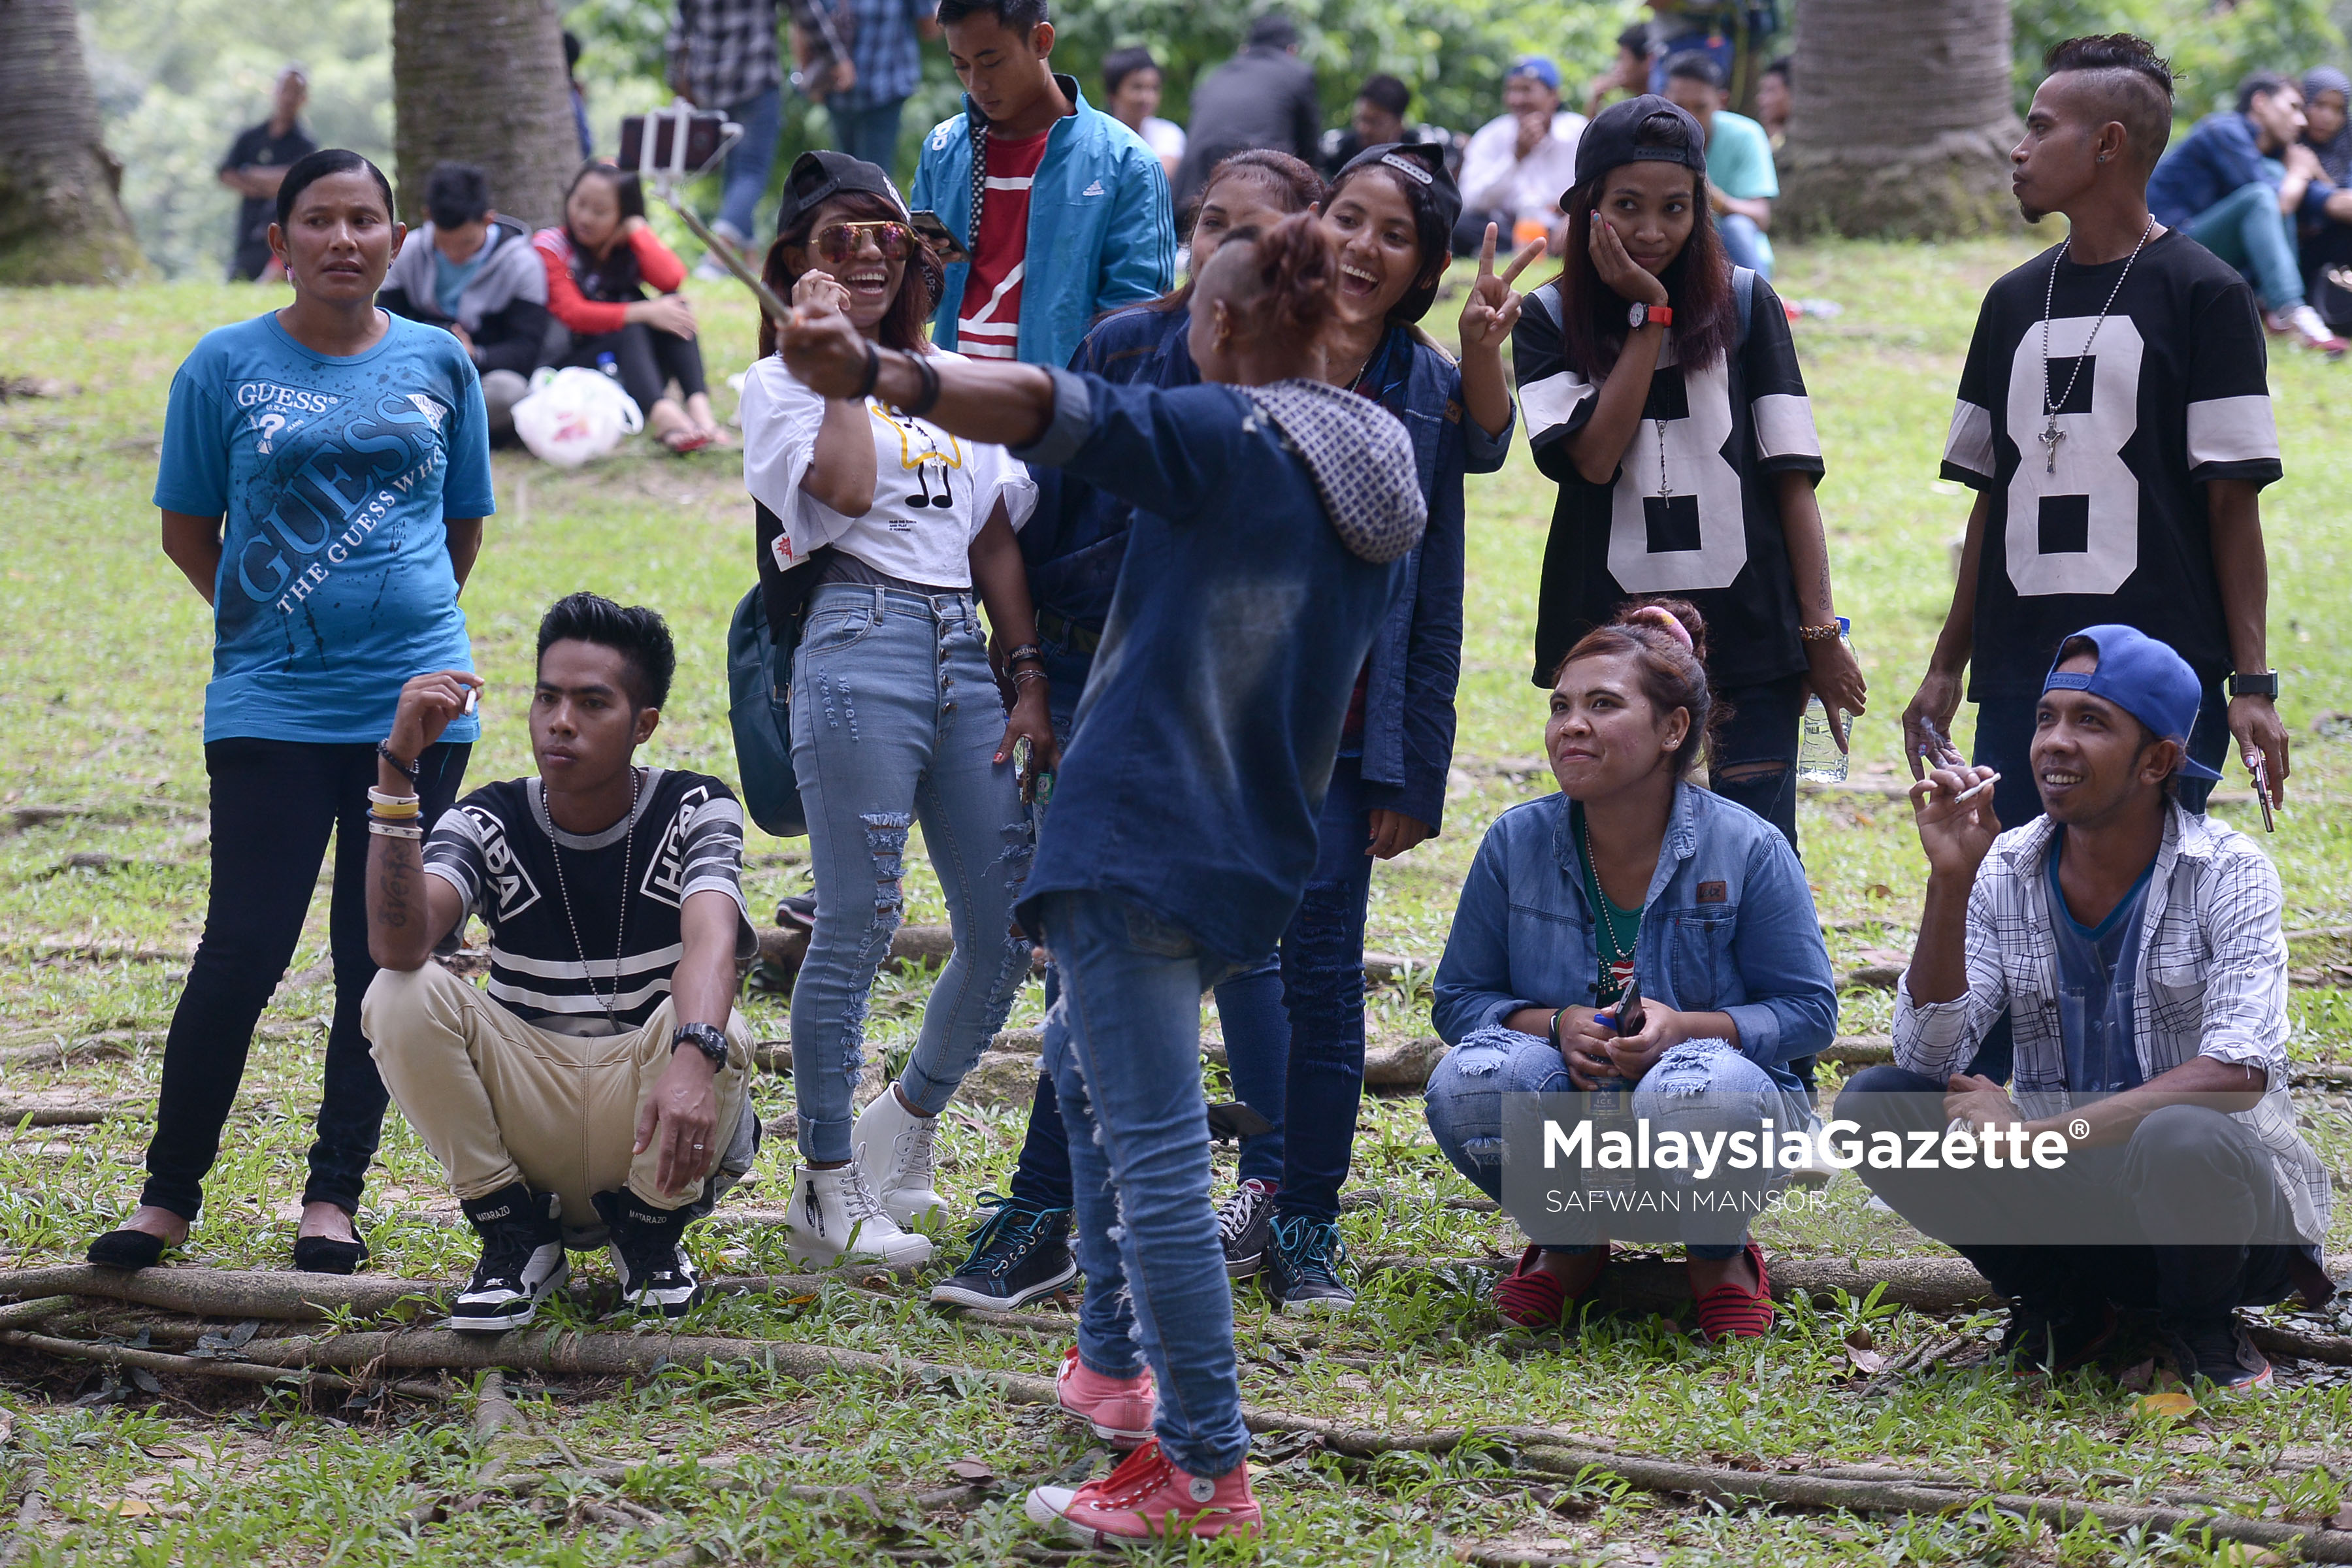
(668, 177)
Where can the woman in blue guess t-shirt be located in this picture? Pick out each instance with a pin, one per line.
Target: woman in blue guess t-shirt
(326, 469)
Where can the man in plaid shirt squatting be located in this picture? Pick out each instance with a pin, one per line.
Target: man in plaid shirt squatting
(2138, 946)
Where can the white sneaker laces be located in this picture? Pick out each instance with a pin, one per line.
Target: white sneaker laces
(1235, 1214)
(910, 1152)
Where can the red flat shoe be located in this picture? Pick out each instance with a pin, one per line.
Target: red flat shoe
(1728, 1312)
(1534, 1298)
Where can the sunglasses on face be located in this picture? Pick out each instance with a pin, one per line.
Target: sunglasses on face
(839, 242)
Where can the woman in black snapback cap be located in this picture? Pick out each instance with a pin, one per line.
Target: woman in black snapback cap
(1662, 390)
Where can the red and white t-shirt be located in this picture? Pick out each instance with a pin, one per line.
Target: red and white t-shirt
(988, 325)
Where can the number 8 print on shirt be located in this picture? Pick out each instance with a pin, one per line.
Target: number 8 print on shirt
(2107, 522)
(1691, 510)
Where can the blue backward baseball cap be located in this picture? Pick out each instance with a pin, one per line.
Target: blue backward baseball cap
(2143, 676)
(1540, 67)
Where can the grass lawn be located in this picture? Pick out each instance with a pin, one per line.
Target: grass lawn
(104, 657)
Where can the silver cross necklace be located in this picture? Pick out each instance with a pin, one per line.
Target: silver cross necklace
(563, 893)
(2051, 435)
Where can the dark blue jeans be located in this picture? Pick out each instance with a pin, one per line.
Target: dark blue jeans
(2177, 1156)
(871, 135)
(274, 803)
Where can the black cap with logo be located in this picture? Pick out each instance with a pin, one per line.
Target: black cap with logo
(1616, 137)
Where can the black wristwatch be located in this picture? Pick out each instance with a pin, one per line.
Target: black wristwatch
(2262, 684)
(711, 1042)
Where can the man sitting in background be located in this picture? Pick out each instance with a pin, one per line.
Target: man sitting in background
(1628, 75)
(1772, 101)
(256, 161)
(1377, 122)
(1740, 179)
(2236, 186)
(476, 273)
(600, 1091)
(1518, 163)
(2137, 947)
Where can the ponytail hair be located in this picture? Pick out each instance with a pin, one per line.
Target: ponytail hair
(1282, 282)
(1667, 638)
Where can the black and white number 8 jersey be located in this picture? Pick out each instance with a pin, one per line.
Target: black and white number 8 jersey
(2105, 519)
(1691, 510)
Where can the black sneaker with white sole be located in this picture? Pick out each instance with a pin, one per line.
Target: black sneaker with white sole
(522, 1260)
(648, 1248)
(1019, 1253)
(2220, 1352)
(1302, 1268)
(1246, 1225)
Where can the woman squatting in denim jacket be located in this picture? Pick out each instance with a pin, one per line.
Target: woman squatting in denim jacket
(896, 716)
(1632, 873)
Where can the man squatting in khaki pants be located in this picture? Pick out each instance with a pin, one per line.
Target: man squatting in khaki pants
(599, 1091)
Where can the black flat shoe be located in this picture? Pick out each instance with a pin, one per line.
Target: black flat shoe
(127, 1249)
(326, 1255)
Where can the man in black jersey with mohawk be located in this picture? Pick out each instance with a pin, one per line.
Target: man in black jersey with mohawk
(599, 1092)
(2115, 420)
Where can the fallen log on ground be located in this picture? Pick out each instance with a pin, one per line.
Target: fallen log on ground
(198, 1366)
(16, 1113)
(283, 1295)
(786, 946)
(56, 1052)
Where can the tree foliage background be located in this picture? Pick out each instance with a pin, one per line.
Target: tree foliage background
(177, 79)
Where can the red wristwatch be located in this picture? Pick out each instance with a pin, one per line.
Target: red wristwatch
(1641, 316)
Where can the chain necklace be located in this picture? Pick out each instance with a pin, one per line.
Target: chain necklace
(1665, 484)
(2051, 435)
(1609, 948)
(620, 946)
(979, 175)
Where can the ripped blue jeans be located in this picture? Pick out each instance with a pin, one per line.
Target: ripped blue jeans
(895, 720)
(1697, 1087)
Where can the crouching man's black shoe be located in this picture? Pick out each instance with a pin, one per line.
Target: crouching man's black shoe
(2048, 1338)
(648, 1248)
(522, 1260)
(2222, 1353)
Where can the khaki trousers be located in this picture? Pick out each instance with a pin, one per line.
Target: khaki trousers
(499, 1101)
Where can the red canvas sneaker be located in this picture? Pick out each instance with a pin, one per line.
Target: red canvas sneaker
(1120, 1409)
(1147, 1498)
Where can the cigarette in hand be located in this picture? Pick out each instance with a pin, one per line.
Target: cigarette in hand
(1967, 794)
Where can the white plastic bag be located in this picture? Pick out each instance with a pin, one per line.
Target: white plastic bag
(575, 413)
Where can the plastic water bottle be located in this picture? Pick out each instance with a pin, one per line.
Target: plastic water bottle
(612, 367)
(1818, 756)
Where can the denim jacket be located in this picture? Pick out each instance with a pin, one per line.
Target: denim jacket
(1728, 927)
(1101, 234)
(1077, 538)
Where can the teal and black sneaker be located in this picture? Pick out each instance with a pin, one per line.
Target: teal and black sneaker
(1302, 1268)
(1019, 1253)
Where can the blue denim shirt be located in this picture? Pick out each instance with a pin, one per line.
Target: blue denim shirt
(1728, 927)
(1101, 232)
(1204, 745)
(1075, 540)
(2222, 153)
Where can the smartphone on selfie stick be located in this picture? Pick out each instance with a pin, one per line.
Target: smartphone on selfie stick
(671, 146)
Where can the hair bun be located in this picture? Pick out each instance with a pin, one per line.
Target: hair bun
(1676, 618)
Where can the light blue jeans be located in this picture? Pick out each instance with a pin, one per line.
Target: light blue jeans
(1123, 1044)
(1699, 1086)
(2246, 229)
(895, 720)
(1745, 243)
(745, 180)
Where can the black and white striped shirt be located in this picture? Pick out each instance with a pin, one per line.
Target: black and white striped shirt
(685, 836)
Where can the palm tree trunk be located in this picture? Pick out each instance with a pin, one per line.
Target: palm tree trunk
(61, 217)
(1900, 120)
(482, 81)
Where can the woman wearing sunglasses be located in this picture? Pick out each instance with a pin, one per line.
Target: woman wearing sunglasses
(896, 716)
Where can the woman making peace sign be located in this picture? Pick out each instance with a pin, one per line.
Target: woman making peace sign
(1662, 391)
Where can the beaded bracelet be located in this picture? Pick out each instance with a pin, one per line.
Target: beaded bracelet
(1819, 634)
